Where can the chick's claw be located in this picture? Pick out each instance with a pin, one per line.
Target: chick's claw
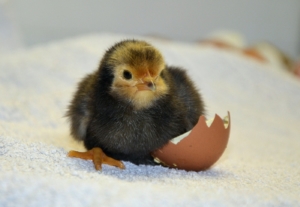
(98, 157)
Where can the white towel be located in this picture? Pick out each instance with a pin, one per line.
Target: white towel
(260, 166)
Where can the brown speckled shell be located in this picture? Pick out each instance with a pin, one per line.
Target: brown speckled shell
(200, 149)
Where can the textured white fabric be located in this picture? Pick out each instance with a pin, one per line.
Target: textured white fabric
(260, 166)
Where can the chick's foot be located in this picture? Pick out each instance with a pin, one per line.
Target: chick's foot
(98, 157)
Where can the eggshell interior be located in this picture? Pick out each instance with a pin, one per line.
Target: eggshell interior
(200, 149)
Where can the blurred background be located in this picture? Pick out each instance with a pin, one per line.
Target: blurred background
(25, 23)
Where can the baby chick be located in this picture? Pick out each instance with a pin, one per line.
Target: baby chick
(132, 105)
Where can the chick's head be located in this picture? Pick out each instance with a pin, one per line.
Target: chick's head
(137, 68)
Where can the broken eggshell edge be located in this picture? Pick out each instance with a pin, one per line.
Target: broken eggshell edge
(200, 149)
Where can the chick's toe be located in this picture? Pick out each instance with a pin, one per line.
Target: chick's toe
(98, 156)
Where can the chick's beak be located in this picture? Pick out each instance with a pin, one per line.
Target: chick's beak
(146, 86)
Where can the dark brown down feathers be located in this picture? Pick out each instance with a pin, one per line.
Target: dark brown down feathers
(134, 103)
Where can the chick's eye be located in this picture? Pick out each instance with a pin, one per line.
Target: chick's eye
(127, 75)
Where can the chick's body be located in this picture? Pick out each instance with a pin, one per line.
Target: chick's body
(133, 104)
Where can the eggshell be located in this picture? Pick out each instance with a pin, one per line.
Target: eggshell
(199, 150)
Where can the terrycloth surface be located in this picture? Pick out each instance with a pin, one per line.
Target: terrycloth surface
(260, 166)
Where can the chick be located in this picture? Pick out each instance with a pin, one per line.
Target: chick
(132, 105)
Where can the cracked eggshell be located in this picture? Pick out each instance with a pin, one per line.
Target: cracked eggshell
(199, 149)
